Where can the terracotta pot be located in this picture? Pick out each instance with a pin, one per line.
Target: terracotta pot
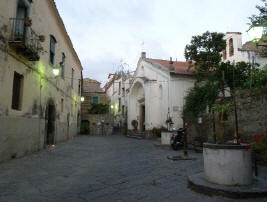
(41, 38)
(223, 117)
(27, 22)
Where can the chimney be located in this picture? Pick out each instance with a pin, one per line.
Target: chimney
(171, 65)
(143, 55)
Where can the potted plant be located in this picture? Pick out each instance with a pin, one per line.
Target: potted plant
(222, 110)
(169, 122)
(135, 125)
(27, 21)
(41, 38)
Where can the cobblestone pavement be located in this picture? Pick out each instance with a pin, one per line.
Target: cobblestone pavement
(91, 168)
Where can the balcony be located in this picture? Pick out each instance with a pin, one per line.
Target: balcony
(24, 40)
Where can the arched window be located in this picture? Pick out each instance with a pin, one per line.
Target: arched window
(52, 49)
(231, 47)
(224, 55)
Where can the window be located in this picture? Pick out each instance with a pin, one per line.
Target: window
(79, 87)
(119, 104)
(17, 91)
(52, 49)
(62, 64)
(119, 88)
(224, 55)
(72, 77)
(95, 100)
(123, 91)
(122, 110)
(231, 47)
(62, 105)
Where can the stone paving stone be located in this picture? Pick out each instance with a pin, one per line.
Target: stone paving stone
(110, 168)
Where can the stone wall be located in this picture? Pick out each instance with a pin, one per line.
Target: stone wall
(252, 119)
(97, 127)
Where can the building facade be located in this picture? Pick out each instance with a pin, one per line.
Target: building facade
(157, 92)
(117, 90)
(236, 51)
(93, 94)
(37, 108)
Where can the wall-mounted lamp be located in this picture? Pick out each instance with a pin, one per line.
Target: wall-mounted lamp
(82, 99)
(55, 71)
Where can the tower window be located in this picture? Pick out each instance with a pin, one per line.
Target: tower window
(231, 47)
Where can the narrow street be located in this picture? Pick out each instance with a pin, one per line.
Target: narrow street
(94, 168)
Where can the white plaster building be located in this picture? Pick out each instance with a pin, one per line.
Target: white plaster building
(37, 109)
(117, 90)
(157, 91)
(248, 52)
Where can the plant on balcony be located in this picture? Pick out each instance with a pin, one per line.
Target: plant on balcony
(41, 38)
(41, 50)
(27, 21)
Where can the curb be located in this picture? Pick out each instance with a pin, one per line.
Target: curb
(257, 190)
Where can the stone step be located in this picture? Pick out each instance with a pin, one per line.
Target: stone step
(137, 135)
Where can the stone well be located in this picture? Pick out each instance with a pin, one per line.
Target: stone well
(166, 138)
(227, 164)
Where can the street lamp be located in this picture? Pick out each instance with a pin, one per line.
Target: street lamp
(82, 99)
(55, 71)
(255, 33)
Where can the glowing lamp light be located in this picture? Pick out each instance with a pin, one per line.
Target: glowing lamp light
(255, 33)
(82, 99)
(111, 106)
(55, 71)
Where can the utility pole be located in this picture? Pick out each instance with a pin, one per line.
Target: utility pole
(185, 138)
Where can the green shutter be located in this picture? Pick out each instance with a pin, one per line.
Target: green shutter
(95, 100)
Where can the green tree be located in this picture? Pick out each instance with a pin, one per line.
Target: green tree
(261, 18)
(205, 51)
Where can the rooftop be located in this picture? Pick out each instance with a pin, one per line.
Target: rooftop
(181, 68)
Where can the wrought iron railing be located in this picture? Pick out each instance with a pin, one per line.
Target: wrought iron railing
(24, 34)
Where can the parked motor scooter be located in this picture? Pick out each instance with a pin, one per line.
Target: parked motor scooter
(177, 139)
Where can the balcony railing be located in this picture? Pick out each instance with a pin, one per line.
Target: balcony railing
(24, 40)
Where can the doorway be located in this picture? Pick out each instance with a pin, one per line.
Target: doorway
(51, 116)
(143, 118)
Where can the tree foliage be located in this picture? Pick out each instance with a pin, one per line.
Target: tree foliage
(261, 18)
(99, 109)
(234, 74)
(205, 50)
(199, 97)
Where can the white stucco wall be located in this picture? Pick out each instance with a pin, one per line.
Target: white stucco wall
(228, 166)
(246, 56)
(237, 43)
(25, 129)
(162, 91)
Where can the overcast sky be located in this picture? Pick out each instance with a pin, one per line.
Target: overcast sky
(107, 32)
